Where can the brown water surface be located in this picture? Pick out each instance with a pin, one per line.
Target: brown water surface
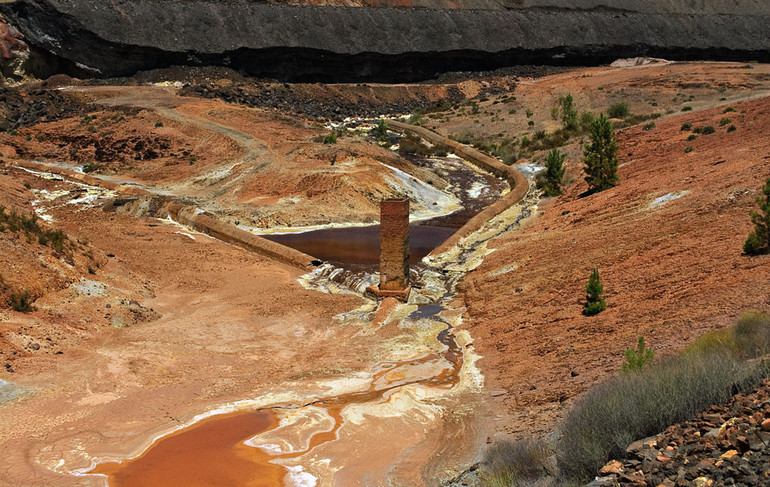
(211, 453)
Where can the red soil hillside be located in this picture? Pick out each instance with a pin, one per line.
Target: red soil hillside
(667, 241)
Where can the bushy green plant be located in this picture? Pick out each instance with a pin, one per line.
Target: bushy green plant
(649, 126)
(554, 173)
(686, 126)
(706, 130)
(381, 129)
(688, 149)
(637, 359)
(595, 303)
(759, 239)
(728, 110)
(692, 137)
(569, 115)
(687, 108)
(731, 128)
(331, 138)
(601, 160)
(725, 121)
(618, 110)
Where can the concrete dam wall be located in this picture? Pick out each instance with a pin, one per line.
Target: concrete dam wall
(103, 38)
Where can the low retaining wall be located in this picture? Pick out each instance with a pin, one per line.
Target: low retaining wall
(190, 216)
(518, 182)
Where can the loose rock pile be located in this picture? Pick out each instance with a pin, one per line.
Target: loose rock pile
(726, 445)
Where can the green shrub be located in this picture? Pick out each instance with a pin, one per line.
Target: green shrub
(529, 113)
(600, 156)
(731, 128)
(649, 126)
(707, 130)
(331, 138)
(725, 121)
(633, 406)
(686, 126)
(691, 137)
(586, 119)
(22, 302)
(513, 463)
(759, 239)
(618, 110)
(688, 149)
(381, 129)
(687, 108)
(552, 177)
(595, 303)
(728, 110)
(637, 359)
(158, 124)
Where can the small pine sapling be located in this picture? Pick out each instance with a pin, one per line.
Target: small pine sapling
(595, 303)
(637, 359)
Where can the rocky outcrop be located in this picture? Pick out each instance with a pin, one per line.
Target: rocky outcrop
(14, 53)
(317, 43)
(726, 445)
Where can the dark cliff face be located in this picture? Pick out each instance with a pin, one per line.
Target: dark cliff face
(307, 43)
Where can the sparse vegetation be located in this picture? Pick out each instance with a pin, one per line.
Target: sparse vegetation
(637, 359)
(550, 180)
(29, 225)
(595, 303)
(158, 124)
(22, 302)
(618, 110)
(686, 126)
(687, 108)
(688, 149)
(649, 126)
(725, 121)
(758, 241)
(706, 130)
(728, 110)
(632, 406)
(731, 128)
(692, 137)
(586, 119)
(514, 463)
(601, 160)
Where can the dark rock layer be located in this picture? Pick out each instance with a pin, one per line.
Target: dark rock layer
(305, 43)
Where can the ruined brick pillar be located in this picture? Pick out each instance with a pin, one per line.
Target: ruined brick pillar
(394, 248)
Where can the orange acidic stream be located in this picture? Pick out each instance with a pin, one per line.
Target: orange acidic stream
(212, 452)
